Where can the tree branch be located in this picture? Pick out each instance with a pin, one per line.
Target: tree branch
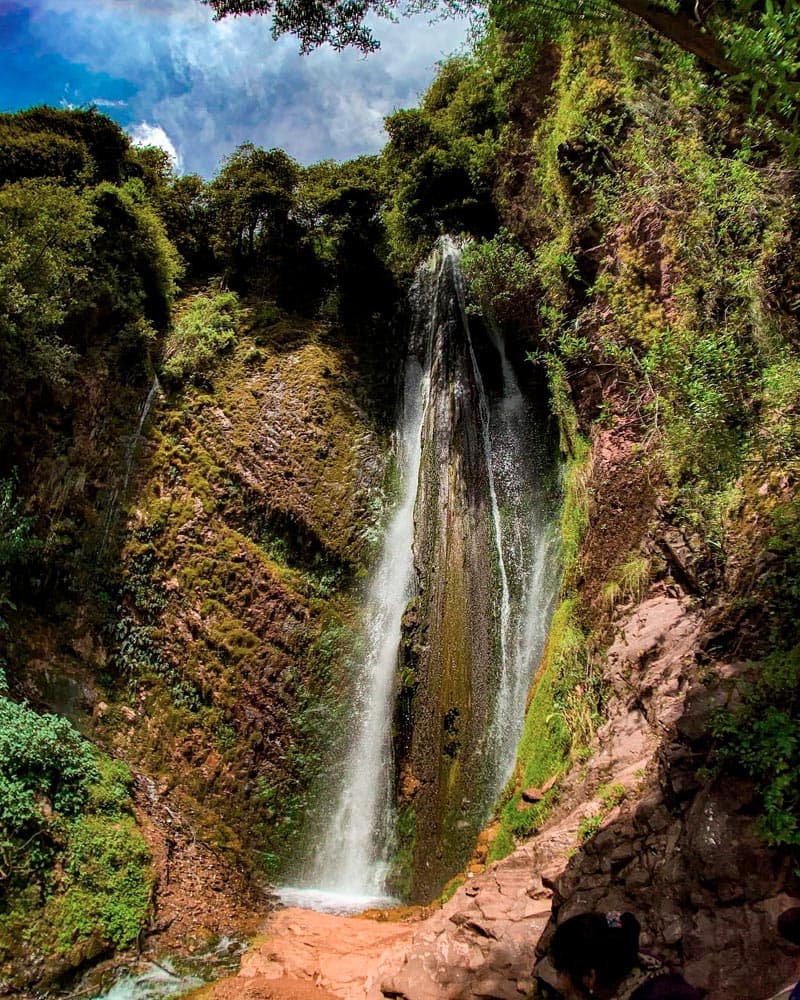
(681, 30)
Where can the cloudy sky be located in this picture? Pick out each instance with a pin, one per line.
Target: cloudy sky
(171, 76)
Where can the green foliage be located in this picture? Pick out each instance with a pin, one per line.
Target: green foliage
(250, 200)
(139, 657)
(500, 275)
(25, 155)
(589, 826)
(762, 738)
(65, 825)
(205, 329)
(763, 40)
(136, 266)
(628, 581)
(46, 234)
(19, 545)
(75, 146)
(339, 204)
(400, 881)
(440, 162)
(610, 797)
(184, 208)
(560, 720)
(42, 758)
(107, 884)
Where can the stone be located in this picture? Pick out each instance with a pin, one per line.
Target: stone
(533, 795)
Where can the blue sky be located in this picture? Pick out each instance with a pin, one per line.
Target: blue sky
(170, 75)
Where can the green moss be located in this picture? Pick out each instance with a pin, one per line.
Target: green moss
(401, 880)
(238, 569)
(107, 886)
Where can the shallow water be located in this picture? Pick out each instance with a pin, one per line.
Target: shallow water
(164, 976)
(153, 982)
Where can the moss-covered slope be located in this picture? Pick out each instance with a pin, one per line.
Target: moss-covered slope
(249, 531)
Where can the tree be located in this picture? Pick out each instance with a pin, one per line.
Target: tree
(46, 236)
(340, 206)
(250, 202)
(315, 22)
(341, 23)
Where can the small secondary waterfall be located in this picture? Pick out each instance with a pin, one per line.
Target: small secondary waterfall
(460, 601)
(529, 547)
(119, 492)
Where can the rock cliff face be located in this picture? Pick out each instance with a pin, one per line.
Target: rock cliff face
(243, 549)
(671, 844)
(483, 506)
(455, 658)
(209, 646)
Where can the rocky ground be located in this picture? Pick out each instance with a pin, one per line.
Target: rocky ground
(640, 824)
(678, 852)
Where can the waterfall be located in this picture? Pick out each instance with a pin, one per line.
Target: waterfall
(354, 853)
(470, 549)
(119, 491)
(530, 554)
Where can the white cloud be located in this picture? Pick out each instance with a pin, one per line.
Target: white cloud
(211, 86)
(145, 134)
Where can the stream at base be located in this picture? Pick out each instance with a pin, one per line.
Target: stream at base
(163, 976)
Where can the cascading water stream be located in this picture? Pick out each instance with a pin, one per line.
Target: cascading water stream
(118, 492)
(353, 857)
(531, 556)
(454, 255)
(470, 548)
(528, 549)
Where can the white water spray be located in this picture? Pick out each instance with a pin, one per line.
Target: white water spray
(530, 557)
(354, 855)
(350, 867)
(525, 539)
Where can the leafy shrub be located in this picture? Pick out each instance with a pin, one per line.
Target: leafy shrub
(440, 163)
(42, 757)
(589, 826)
(762, 738)
(66, 825)
(501, 275)
(764, 40)
(206, 329)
